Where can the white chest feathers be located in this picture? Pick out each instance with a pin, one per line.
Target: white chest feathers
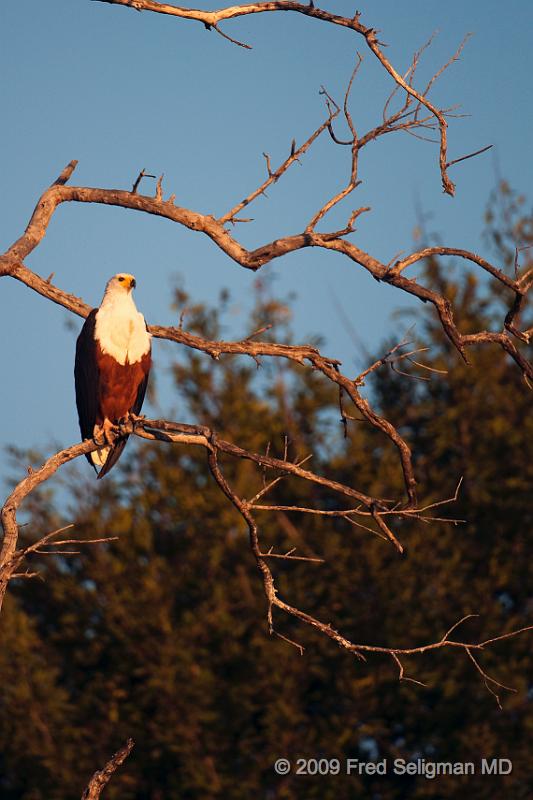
(120, 329)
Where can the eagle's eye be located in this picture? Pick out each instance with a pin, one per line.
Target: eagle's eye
(121, 279)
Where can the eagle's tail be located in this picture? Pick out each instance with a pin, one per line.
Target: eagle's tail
(99, 457)
(113, 454)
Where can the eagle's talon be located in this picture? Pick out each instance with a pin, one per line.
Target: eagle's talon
(109, 432)
(98, 437)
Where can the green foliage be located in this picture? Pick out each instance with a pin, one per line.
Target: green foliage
(162, 635)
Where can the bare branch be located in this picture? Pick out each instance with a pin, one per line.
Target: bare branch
(450, 61)
(10, 558)
(230, 39)
(386, 530)
(202, 436)
(11, 263)
(212, 18)
(470, 155)
(101, 778)
(142, 174)
(273, 177)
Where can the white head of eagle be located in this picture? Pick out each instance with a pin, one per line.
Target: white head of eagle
(113, 359)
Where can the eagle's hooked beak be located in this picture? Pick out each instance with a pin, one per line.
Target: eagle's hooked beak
(133, 283)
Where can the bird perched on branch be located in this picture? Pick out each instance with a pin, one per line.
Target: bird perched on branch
(113, 359)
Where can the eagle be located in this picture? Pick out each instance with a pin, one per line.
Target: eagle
(113, 359)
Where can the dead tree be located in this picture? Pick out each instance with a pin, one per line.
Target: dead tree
(407, 109)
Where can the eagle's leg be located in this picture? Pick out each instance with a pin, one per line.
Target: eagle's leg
(109, 430)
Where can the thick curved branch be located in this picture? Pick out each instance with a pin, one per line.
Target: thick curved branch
(180, 433)
(11, 263)
(202, 435)
(326, 366)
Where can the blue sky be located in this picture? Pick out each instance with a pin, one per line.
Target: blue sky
(120, 91)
